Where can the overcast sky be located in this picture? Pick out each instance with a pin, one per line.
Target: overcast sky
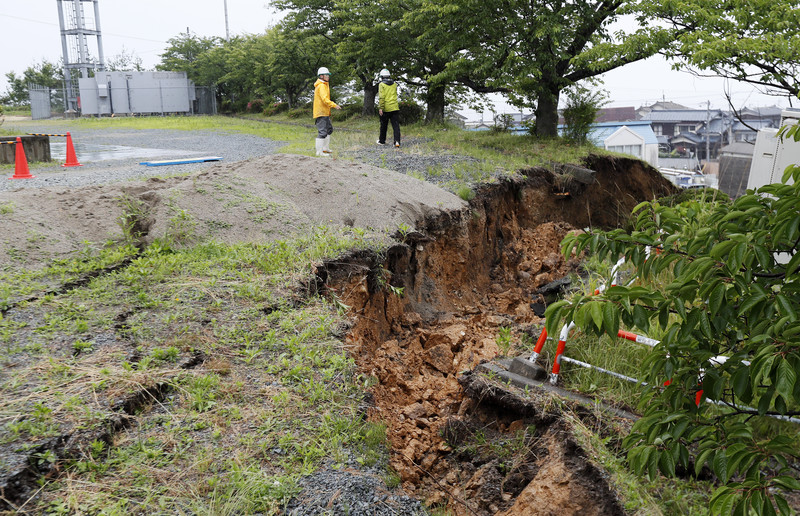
(29, 33)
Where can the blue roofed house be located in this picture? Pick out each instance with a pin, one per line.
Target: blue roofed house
(634, 137)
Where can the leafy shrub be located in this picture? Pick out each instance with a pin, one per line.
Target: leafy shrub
(255, 106)
(300, 112)
(275, 108)
(347, 112)
(581, 112)
(410, 112)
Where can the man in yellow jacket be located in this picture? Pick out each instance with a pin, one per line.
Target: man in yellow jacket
(322, 111)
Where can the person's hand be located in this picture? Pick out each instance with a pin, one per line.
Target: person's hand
(380, 112)
(338, 107)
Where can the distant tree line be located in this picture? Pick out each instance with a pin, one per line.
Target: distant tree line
(452, 52)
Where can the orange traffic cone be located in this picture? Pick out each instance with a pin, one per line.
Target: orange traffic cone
(72, 159)
(21, 170)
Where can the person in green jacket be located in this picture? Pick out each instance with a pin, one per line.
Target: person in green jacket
(388, 108)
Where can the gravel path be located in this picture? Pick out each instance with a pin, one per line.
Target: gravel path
(130, 147)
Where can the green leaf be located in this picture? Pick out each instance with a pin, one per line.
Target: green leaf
(611, 319)
(787, 482)
(705, 456)
(721, 249)
(765, 401)
(716, 299)
(783, 506)
(786, 307)
(652, 465)
(667, 464)
(749, 303)
(785, 379)
(640, 318)
(741, 382)
(793, 264)
(596, 310)
(723, 500)
(705, 326)
(720, 465)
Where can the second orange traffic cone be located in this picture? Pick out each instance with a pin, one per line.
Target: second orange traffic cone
(72, 159)
(21, 170)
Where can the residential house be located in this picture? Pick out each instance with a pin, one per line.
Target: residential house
(634, 137)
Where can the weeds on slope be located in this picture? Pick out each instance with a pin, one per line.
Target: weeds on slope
(189, 381)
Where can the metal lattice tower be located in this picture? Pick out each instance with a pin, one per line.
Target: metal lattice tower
(77, 30)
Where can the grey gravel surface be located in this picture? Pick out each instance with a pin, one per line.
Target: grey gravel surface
(412, 158)
(129, 147)
(334, 492)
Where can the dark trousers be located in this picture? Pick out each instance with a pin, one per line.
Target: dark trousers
(324, 126)
(394, 117)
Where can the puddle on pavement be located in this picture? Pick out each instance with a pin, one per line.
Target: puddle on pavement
(87, 153)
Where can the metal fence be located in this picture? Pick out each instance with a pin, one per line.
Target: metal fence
(44, 101)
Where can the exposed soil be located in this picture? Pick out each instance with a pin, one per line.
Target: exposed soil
(466, 276)
(466, 270)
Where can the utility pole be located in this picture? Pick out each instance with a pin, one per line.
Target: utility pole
(708, 131)
(227, 30)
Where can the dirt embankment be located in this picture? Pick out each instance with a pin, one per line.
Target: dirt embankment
(467, 278)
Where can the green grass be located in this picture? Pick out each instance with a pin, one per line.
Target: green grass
(220, 441)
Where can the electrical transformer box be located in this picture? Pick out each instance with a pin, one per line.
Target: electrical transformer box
(772, 154)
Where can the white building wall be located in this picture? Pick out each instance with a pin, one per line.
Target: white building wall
(629, 142)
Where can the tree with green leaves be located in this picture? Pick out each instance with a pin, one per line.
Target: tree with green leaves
(293, 62)
(184, 51)
(124, 61)
(754, 41)
(47, 74)
(533, 50)
(720, 287)
(347, 53)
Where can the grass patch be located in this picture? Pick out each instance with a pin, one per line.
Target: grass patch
(209, 438)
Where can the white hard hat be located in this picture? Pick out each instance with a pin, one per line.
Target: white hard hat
(385, 73)
(323, 71)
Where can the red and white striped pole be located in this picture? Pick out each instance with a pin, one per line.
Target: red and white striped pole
(562, 343)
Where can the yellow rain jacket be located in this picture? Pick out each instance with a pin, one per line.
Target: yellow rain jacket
(322, 99)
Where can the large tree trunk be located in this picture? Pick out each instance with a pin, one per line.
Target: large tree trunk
(547, 113)
(370, 92)
(436, 104)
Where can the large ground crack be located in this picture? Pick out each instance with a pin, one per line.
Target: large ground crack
(469, 280)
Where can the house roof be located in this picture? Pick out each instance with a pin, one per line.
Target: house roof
(662, 105)
(600, 132)
(767, 111)
(693, 138)
(681, 115)
(686, 137)
(742, 148)
(616, 114)
(755, 124)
